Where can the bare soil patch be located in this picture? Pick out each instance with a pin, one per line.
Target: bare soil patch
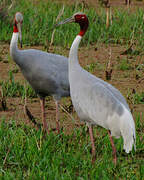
(124, 80)
(113, 3)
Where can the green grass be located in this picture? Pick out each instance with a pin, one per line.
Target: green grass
(138, 98)
(91, 67)
(12, 88)
(124, 64)
(26, 154)
(135, 97)
(40, 17)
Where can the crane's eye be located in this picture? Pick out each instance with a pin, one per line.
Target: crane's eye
(78, 17)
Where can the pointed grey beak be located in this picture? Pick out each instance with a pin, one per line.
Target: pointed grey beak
(20, 34)
(68, 20)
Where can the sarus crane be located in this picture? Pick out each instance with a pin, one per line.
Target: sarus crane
(96, 101)
(47, 73)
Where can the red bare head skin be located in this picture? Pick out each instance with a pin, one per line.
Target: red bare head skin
(18, 19)
(15, 29)
(82, 20)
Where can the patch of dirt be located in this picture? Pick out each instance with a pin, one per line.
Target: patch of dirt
(115, 4)
(96, 55)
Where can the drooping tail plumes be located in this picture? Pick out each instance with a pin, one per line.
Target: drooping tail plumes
(128, 131)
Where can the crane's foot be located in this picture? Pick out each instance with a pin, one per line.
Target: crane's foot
(115, 161)
(113, 148)
(57, 117)
(57, 127)
(93, 158)
(92, 144)
(45, 128)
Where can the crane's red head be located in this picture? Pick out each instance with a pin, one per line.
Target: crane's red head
(17, 21)
(79, 18)
(17, 25)
(82, 20)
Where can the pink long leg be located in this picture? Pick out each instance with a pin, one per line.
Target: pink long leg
(45, 126)
(113, 148)
(92, 143)
(57, 117)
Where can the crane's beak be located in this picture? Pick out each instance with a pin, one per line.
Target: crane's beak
(20, 34)
(68, 20)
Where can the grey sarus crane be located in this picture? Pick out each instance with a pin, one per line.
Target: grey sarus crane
(96, 101)
(47, 73)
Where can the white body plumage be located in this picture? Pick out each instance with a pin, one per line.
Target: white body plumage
(99, 103)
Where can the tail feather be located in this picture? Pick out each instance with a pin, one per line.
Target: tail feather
(128, 131)
(128, 144)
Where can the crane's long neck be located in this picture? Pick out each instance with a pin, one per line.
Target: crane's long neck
(73, 55)
(13, 46)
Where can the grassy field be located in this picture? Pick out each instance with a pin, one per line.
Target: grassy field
(26, 153)
(40, 16)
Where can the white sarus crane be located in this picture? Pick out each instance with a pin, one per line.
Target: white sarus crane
(96, 101)
(47, 73)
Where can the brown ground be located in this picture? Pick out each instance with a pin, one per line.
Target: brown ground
(125, 81)
(113, 3)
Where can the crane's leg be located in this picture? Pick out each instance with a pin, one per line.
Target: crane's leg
(45, 126)
(92, 143)
(113, 148)
(57, 117)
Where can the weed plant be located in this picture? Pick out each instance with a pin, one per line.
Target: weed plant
(124, 65)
